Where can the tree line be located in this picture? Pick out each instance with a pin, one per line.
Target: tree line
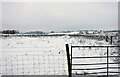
(9, 32)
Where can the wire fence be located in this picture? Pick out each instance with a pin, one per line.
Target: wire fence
(41, 62)
(83, 60)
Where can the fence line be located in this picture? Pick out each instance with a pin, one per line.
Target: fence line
(53, 64)
(34, 63)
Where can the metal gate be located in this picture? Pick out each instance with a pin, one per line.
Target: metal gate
(106, 64)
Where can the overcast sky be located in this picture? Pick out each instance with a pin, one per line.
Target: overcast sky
(59, 16)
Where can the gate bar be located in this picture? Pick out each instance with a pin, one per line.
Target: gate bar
(94, 46)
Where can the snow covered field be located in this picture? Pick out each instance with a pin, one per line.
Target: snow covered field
(46, 55)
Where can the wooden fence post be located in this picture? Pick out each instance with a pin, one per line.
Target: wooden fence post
(106, 38)
(68, 60)
(111, 39)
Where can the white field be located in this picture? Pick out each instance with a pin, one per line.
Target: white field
(46, 55)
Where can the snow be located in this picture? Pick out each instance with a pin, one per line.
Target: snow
(70, 33)
(46, 55)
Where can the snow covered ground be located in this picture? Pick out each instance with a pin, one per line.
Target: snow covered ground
(46, 55)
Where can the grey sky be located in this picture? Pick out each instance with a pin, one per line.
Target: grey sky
(59, 16)
(0, 15)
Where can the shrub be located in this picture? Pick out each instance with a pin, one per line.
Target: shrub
(9, 32)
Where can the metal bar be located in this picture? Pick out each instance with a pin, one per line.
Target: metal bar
(94, 57)
(89, 57)
(68, 59)
(97, 68)
(94, 64)
(113, 72)
(114, 67)
(94, 46)
(99, 73)
(91, 68)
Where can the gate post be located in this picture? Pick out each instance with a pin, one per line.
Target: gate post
(68, 60)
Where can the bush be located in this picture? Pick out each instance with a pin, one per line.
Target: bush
(9, 32)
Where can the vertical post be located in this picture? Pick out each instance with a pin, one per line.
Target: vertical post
(111, 37)
(68, 60)
(106, 38)
(107, 61)
(71, 59)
